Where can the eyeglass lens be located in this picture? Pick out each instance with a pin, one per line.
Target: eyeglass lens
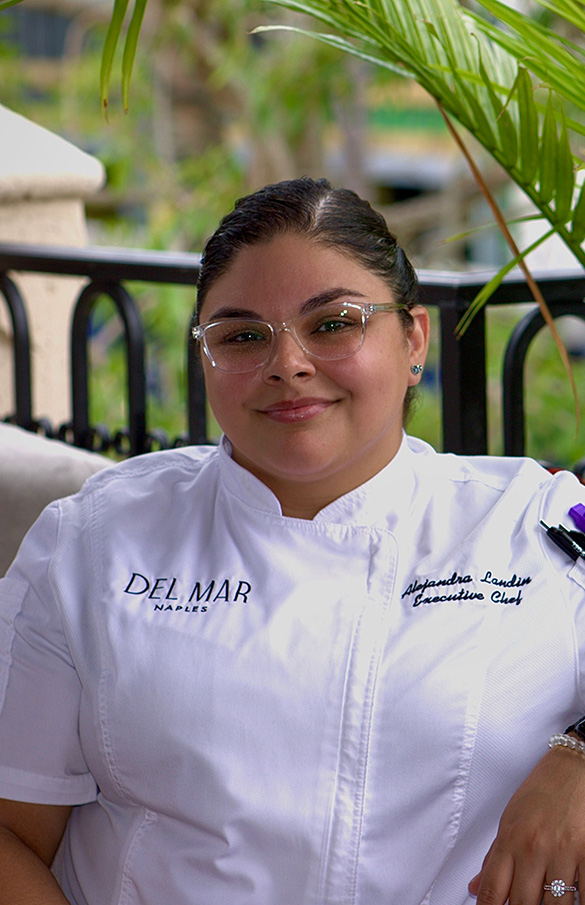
(237, 344)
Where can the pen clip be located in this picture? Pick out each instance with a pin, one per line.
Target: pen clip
(570, 542)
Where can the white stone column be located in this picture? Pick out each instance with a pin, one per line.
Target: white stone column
(44, 181)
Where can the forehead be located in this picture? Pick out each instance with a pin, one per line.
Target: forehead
(275, 278)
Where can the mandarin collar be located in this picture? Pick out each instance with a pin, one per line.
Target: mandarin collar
(379, 502)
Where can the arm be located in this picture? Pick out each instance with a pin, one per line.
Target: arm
(541, 836)
(29, 838)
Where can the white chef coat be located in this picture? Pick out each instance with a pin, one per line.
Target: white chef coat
(259, 710)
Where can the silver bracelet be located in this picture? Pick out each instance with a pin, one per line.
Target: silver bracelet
(567, 741)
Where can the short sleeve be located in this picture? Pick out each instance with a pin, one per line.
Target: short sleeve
(41, 758)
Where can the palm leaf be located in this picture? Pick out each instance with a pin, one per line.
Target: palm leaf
(130, 49)
(506, 127)
(496, 281)
(578, 222)
(491, 225)
(482, 82)
(555, 61)
(548, 159)
(528, 126)
(565, 181)
(570, 11)
(110, 44)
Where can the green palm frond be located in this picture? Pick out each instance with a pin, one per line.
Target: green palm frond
(497, 280)
(130, 46)
(111, 43)
(517, 87)
(554, 60)
(110, 46)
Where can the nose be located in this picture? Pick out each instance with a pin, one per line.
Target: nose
(287, 359)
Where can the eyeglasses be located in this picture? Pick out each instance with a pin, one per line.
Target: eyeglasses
(330, 332)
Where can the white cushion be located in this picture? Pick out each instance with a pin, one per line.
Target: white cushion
(33, 472)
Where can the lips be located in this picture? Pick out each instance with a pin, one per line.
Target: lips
(290, 411)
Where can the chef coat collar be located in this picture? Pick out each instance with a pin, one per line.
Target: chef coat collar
(376, 502)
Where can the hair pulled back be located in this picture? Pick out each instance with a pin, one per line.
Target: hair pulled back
(311, 208)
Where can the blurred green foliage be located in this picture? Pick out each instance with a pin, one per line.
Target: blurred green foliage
(550, 419)
(265, 109)
(215, 111)
(551, 422)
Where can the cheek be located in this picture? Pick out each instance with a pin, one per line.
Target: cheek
(383, 370)
(216, 389)
(225, 394)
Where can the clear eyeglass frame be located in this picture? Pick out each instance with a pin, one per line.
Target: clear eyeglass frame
(199, 334)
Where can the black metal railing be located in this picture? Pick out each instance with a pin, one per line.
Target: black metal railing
(463, 360)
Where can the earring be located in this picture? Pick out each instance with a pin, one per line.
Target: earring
(417, 369)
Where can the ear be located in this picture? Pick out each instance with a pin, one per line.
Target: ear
(418, 341)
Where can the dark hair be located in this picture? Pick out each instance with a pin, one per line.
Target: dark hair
(335, 217)
(311, 208)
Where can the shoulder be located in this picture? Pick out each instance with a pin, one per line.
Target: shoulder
(493, 472)
(164, 468)
(145, 490)
(137, 500)
(495, 505)
(512, 490)
(139, 497)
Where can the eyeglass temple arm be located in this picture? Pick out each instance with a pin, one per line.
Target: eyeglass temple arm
(384, 306)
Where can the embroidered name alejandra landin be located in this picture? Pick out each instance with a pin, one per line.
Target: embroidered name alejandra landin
(466, 585)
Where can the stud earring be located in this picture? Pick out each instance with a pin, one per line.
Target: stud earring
(417, 369)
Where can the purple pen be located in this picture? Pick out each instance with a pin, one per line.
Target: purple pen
(577, 513)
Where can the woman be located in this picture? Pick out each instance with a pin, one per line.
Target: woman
(310, 666)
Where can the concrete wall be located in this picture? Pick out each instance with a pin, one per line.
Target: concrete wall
(43, 183)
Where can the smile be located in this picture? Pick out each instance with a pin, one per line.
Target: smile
(295, 410)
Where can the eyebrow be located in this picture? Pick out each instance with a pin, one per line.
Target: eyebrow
(329, 295)
(316, 301)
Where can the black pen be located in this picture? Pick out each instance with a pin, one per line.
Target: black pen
(561, 536)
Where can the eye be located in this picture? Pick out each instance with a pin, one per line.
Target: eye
(245, 336)
(240, 333)
(337, 321)
(332, 325)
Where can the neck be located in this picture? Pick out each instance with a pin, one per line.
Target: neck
(304, 495)
(304, 499)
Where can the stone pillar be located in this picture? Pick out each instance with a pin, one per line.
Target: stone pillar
(44, 180)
